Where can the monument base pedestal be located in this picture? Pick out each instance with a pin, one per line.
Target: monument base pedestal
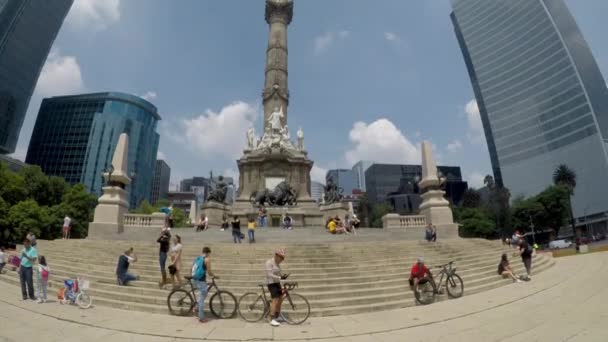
(339, 209)
(305, 214)
(109, 213)
(215, 213)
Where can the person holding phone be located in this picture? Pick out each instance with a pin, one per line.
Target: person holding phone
(28, 256)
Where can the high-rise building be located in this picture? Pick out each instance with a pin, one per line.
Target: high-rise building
(542, 99)
(75, 137)
(344, 178)
(359, 169)
(185, 185)
(316, 190)
(398, 185)
(27, 31)
(160, 183)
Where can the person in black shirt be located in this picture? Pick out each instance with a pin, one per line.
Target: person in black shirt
(123, 277)
(525, 250)
(236, 230)
(164, 239)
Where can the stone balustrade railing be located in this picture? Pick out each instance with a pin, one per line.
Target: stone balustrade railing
(156, 220)
(396, 221)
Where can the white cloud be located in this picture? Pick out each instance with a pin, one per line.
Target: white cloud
(418, 133)
(391, 36)
(326, 40)
(216, 134)
(317, 174)
(454, 146)
(149, 95)
(232, 173)
(475, 179)
(94, 14)
(161, 156)
(476, 134)
(381, 142)
(60, 75)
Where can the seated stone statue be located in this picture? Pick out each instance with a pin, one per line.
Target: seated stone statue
(219, 194)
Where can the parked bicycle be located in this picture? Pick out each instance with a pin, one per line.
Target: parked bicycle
(181, 302)
(74, 292)
(255, 306)
(426, 290)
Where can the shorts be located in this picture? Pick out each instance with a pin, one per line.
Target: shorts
(421, 281)
(66, 229)
(275, 290)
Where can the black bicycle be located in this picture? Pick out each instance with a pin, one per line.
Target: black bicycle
(182, 302)
(255, 306)
(426, 290)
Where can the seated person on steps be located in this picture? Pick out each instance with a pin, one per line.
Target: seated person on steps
(419, 272)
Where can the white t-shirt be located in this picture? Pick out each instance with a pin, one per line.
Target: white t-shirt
(130, 258)
(67, 221)
(2, 260)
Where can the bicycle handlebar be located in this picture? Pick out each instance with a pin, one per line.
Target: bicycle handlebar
(444, 265)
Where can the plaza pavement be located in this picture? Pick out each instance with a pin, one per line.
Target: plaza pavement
(565, 303)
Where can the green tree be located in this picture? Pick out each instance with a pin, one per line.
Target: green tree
(28, 216)
(145, 208)
(379, 210)
(499, 205)
(471, 199)
(565, 176)
(179, 217)
(79, 205)
(4, 226)
(36, 185)
(364, 210)
(475, 222)
(12, 186)
(57, 188)
(555, 201)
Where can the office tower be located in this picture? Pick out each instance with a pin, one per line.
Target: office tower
(344, 178)
(542, 99)
(27, 31)
(359, 169)
(160, 183)
(75, 137)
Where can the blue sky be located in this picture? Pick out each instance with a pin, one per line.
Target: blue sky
(368, 79)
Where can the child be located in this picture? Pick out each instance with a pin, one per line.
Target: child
(251, 229)
(2, 259)
(42, 279)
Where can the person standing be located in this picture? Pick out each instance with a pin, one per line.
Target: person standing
(170, 216)
(200, 268)
(164, 240)
(30, 236)
(236, 229)
(251, 230)
(42, 279)
(262, 216)
(2, 259)
(67, 221)
(176, 260)
(273, 280)
(526, 251)
(123, 277)
(28, 256)
(287, 222)
(433, 233)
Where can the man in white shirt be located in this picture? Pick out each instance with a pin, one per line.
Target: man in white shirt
(273, 279)
(67, 223)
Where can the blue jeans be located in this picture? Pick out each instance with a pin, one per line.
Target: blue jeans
(126, 278)
(162, 260)
(262, 221)
(27, 281)
(251, 234)
(202, 288)
(236, 235)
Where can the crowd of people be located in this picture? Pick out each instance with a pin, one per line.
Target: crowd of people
(349, 225)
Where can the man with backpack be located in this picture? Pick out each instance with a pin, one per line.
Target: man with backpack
(526, 251)
(200, 268)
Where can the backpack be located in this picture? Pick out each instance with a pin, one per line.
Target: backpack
(45, 273)
(198, 268)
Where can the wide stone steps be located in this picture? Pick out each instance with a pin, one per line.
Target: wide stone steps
(335, 278)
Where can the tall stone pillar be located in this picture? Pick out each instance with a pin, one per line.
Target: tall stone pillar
(276, 93)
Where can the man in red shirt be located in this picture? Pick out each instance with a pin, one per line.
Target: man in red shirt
(420, 271)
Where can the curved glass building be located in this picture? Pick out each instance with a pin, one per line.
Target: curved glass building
(75, 137)
(541, 96)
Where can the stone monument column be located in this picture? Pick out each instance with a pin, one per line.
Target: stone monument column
(276, 94)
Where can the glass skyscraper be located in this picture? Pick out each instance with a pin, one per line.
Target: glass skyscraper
(27, 31)
(541, 96)
(75, 137)
(160, 183)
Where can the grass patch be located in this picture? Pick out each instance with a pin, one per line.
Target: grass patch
(571, 251)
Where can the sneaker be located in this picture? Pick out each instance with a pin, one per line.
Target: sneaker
(39, 301)
(204, 320)
(518, 281)
(222, 229)
(274, 323)
(280, 319)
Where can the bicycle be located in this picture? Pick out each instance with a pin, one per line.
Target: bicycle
(182, 302)
(255, 306)
(74, 293)
(426, 290)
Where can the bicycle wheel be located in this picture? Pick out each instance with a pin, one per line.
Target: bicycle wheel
(83, 300)
(252, 307)
(424, 292)
(180, 302)
(223, 304)
(295, 309)
(454, 285)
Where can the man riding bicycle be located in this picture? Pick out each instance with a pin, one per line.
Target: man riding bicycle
(420, 271)
(273, 279)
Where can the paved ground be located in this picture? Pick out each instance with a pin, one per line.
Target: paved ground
(564, 303)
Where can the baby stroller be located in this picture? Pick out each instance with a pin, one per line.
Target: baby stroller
(73, 292)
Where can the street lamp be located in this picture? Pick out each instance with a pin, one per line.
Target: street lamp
(109, 171)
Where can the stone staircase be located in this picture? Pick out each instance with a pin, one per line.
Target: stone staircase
(336, 278)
